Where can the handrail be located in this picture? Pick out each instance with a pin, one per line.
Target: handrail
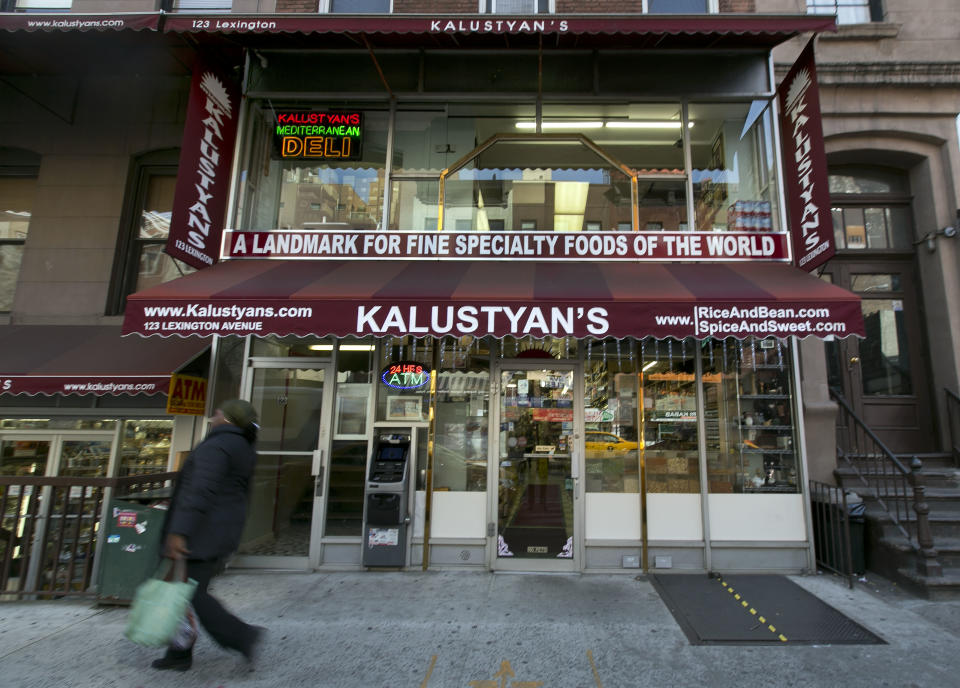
(953, 422)
(897, 489)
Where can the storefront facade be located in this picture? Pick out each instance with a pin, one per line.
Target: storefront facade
(564, 271)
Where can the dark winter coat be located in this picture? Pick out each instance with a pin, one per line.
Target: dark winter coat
(209, 503)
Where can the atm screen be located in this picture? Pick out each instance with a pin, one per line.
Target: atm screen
(391, 454)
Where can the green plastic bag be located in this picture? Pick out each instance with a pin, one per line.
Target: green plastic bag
(159, 605)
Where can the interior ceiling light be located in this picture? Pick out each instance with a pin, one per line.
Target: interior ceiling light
(648, 366)
(560, 125)
(647, 124)
(343, 347)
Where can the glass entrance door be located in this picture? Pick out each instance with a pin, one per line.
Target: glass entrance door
(282, 517)
(538, 502)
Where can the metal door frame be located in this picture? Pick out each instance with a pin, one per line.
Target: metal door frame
(319, 457)
(495, 562)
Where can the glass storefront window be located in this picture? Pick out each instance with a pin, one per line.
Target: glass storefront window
(303, 194)
(751, 436)
(85, 458)
(409, 404)
(734, 179)
(284, 347)
(668, 399)
(646, 136)
(611, 421)
(145, 446)
(58, 423)
(24, 457)
(549, 186)
(462, 420)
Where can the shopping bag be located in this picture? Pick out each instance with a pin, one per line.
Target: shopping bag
(159, 606)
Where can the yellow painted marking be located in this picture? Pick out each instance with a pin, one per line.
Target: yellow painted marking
(745, 604)
(505, 672)
(596, 674)
(426, 679)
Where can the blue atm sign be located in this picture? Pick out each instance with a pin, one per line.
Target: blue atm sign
(405, 375)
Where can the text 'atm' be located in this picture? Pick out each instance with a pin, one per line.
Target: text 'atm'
(387, 519)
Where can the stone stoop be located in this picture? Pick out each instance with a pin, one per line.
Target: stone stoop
(888, 552)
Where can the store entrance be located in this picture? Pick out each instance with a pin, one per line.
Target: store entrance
(538, 503)
(282, 528)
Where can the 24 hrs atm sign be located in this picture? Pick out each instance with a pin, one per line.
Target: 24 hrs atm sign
(319, 135)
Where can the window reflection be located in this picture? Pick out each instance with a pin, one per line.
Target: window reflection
(611, 430)
(731, 146)
(884, 360)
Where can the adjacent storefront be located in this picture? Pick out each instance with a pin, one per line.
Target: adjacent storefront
(559, 265)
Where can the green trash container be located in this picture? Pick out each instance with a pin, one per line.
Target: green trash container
(131, 551)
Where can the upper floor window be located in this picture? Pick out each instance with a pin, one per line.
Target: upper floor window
(35, 5)
(517, 6)
(197, 5)
(140, 261)
(848, 11)
(18, 182)
(678, 6)
(355, 6)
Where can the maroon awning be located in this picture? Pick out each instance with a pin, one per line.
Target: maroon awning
(715, 31)
(388, 298)
(29, 21)
(82, 359)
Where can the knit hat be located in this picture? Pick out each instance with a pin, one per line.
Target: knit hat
(239, 412)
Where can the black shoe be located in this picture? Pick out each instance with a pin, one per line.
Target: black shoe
(174, 661)
(253, 649)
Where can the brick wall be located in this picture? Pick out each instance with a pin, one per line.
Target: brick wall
(434, 7)
(297, 5)
(745, 6)
(470, 6)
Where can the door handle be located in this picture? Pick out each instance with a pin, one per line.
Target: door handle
(854, 360)
(318, 484)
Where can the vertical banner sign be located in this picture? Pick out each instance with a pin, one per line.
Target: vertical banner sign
(805, 164)
(203, 176)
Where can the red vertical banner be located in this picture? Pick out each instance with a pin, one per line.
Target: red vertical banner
(805, 164)
(203, 176)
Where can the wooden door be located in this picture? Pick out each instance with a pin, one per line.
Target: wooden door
(884, 376)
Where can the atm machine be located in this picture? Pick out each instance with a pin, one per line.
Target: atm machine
(386, 513)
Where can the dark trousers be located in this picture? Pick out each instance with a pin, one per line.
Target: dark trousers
(225, 628)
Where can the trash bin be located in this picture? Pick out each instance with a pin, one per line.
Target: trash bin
(131, 550)
(827, 524)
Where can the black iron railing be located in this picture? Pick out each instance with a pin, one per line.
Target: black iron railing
(831, 529)
(898, 490)
(49, 529)
(953, 421)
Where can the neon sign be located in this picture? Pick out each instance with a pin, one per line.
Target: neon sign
(405, 375)
(319, 135)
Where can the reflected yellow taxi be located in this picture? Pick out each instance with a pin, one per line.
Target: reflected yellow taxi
(600, 443)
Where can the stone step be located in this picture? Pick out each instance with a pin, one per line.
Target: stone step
(948, 550)
(939, 499)
(942, 525)
(946, 587)
(935, 477)
(929, 459)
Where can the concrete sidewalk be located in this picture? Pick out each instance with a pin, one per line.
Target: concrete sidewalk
(477, 630)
